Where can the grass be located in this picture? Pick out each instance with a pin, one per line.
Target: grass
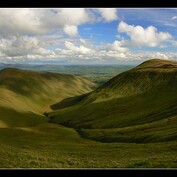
(157, 131)
(54, 146)
(25, 94)
(41, 89)
(13, 118)
(128, 122)
(136, 106)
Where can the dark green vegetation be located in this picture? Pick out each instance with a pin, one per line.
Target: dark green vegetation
(137, 106)
(54, 146)
(132, 117)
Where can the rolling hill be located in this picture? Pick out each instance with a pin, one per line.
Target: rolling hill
(135, 112)
(25, 95)
(139, 105)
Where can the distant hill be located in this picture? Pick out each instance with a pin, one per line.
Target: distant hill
(139, 105)
(26, 94)
(96, 73)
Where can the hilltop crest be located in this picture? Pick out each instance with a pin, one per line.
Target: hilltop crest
(157, 63)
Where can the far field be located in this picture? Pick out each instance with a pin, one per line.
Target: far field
(98, 73)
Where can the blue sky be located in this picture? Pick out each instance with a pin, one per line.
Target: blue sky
(87, 35)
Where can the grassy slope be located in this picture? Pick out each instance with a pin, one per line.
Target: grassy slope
(55, 146)
(25, 95)
(136, 106)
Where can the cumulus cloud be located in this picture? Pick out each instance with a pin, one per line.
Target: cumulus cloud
(29, 48)
(118, 46)
(108, 14)
(71, 30)
(174, 43)
(21, 46)
(158, 55)
(28, 34)
(104, 52)
(111, 54)
(78, 50)
(39, 21)
(74, 16)
(144, 36)
(174, 17)
(21, 21)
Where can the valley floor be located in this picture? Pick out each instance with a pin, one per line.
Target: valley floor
(50, 145)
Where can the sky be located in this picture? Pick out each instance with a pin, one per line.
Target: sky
(82, 36)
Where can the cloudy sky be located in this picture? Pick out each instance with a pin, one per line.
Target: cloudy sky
(87, 35)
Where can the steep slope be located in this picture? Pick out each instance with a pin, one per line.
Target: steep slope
(27, 94)
(145, 77)
(134, 106)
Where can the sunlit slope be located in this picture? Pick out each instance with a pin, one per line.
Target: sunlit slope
(25, 94)
(147, 76)
(145, 96)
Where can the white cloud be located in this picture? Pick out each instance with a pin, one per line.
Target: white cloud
(20, 21)
(111, 54)
(108, 14)
(29, 48)
(174, 43)
(118, 46)
(113, 50)
(78, 50)
(74, 16)
(158, 55)
(174, 17)
(71, 30)
(106, 52)
(33, 35)
(21, 46)
(83, 41)
(144, 36)
(15, 21)
(72, 53)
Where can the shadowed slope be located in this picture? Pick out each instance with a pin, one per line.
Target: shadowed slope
(32, 92)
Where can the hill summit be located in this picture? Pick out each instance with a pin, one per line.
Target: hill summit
(158, 64)
(149, 75)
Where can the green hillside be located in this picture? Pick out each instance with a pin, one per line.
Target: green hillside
(25, 95)
(139, 105)
(54, 146)
(133, 119)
